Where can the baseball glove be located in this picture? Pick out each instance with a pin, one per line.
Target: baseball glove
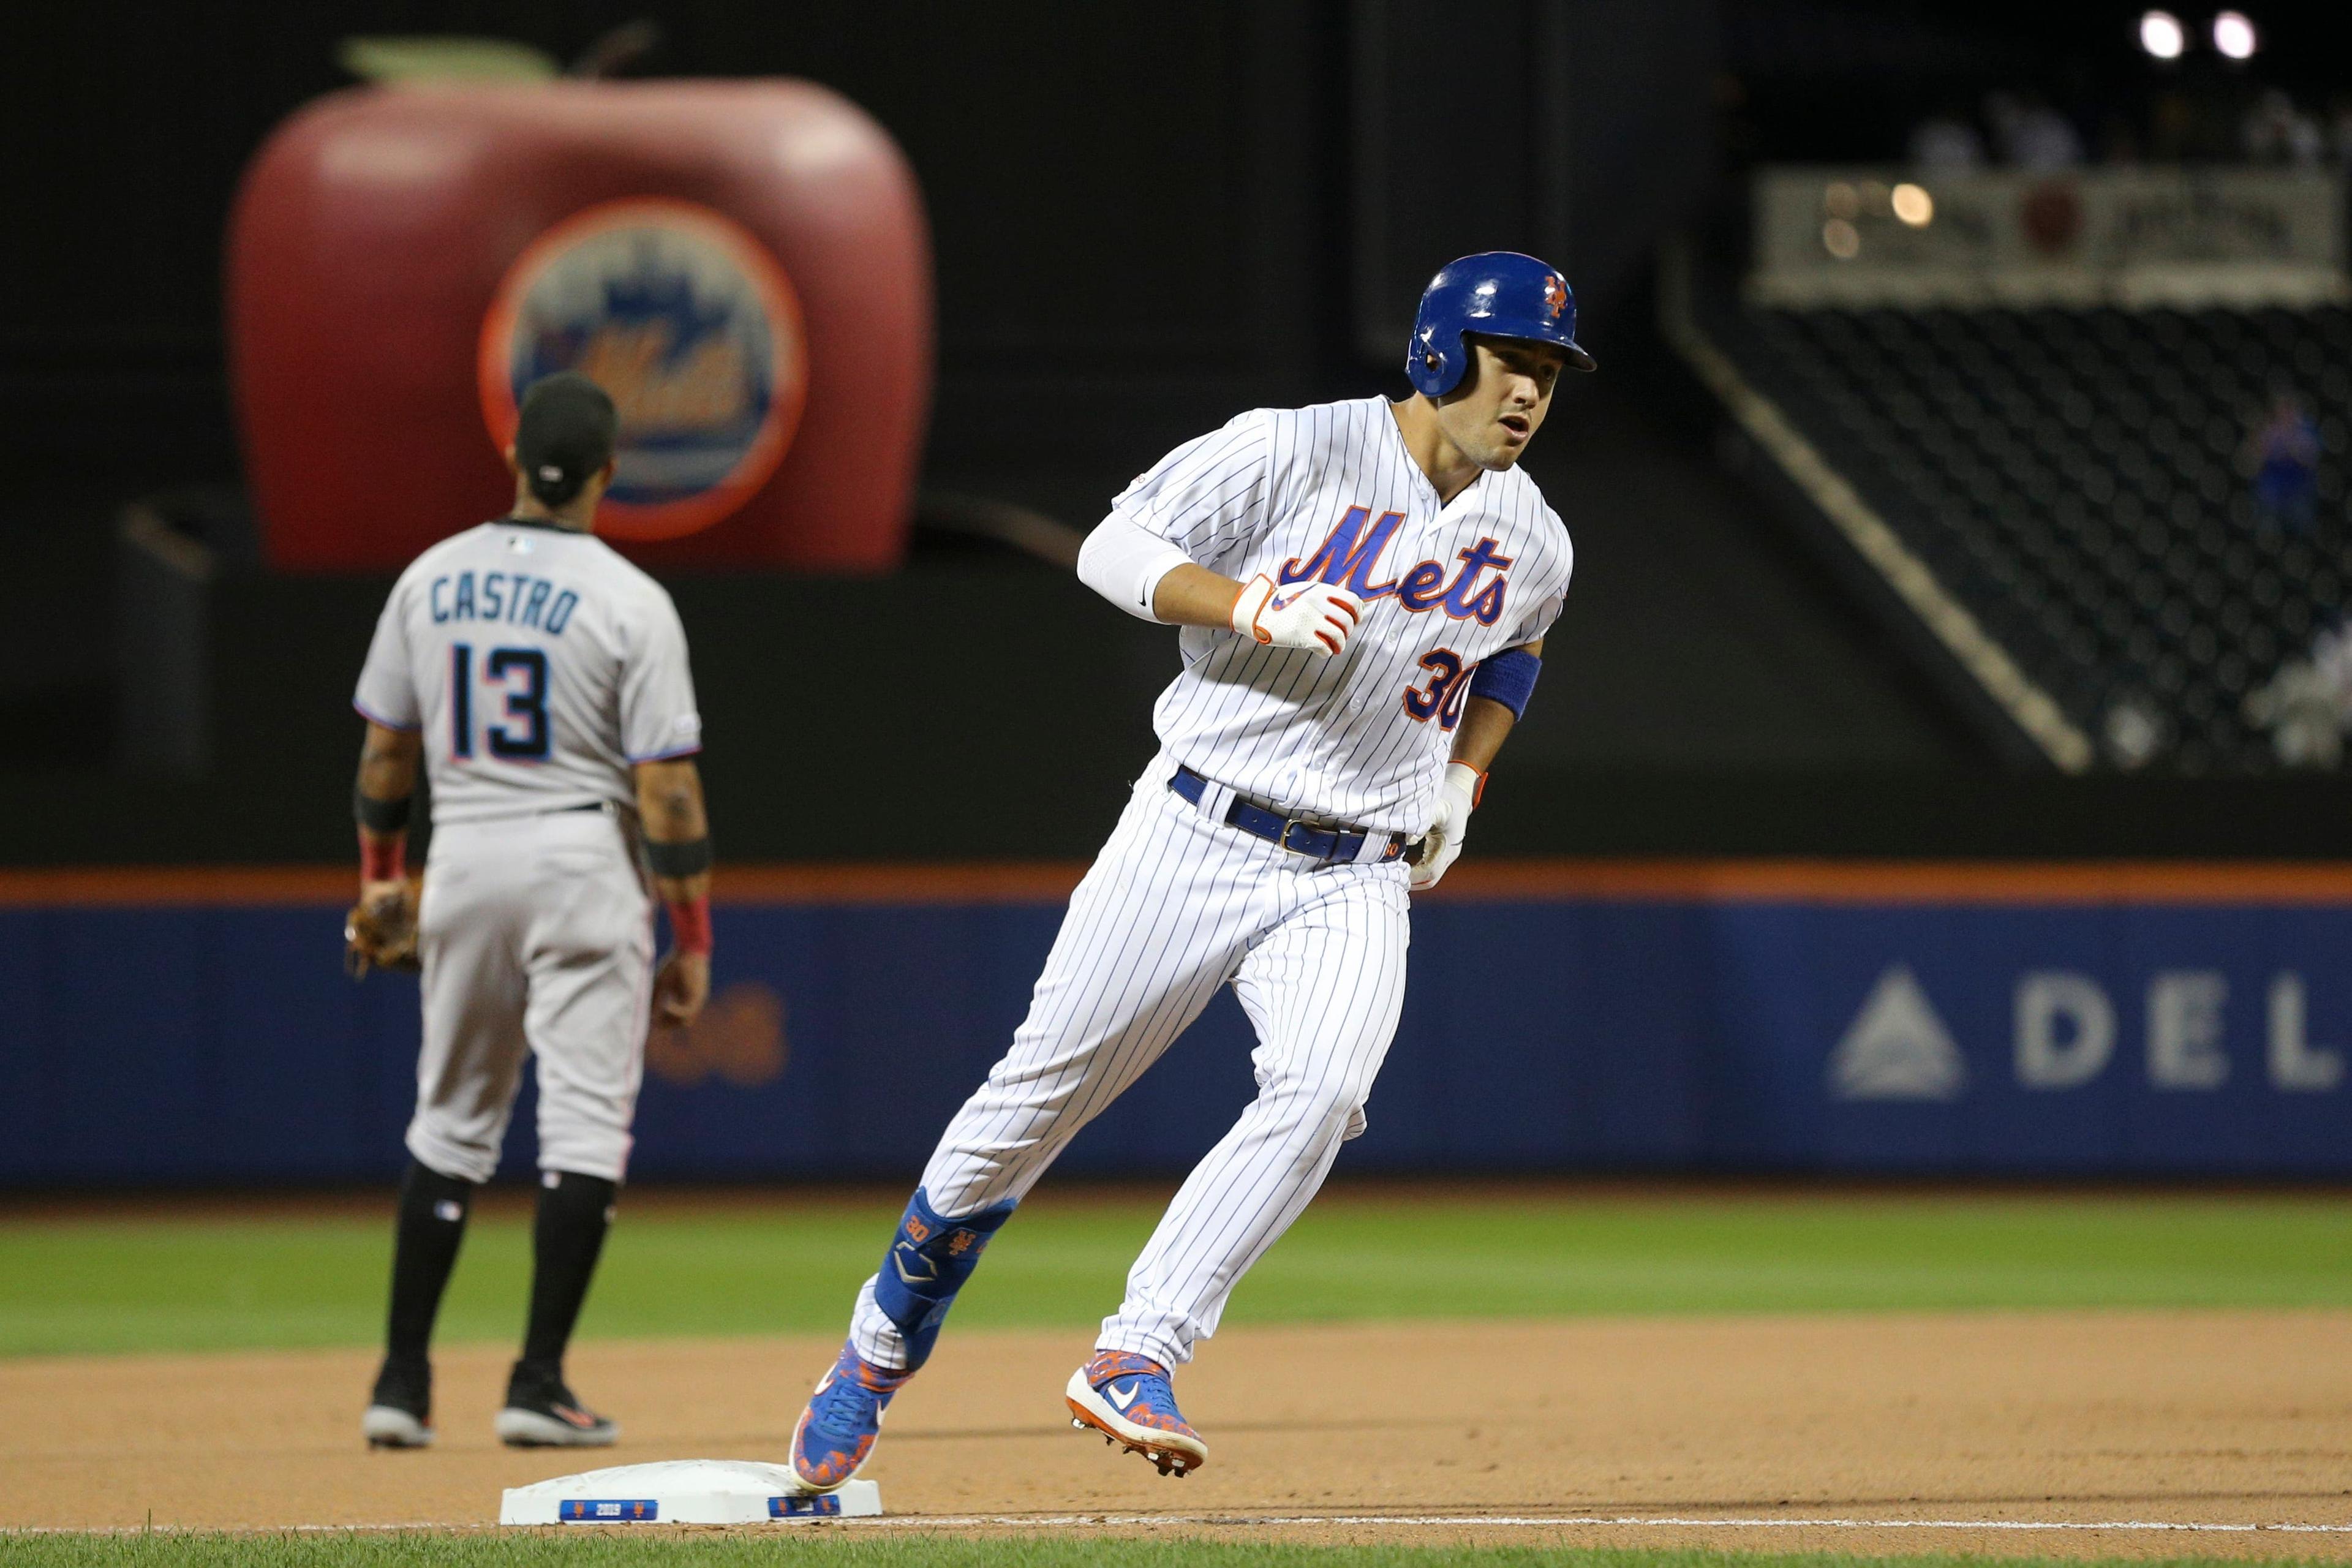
(382, 932)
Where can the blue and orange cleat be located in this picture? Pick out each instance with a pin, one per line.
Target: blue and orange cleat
(844, 1416)
(1129, 1399)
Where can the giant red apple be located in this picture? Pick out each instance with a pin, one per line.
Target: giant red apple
(744, 266)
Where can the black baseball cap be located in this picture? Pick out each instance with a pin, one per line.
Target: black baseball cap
(565, 432)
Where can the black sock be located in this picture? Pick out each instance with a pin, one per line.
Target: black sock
(425, 1249)
(573, 1214)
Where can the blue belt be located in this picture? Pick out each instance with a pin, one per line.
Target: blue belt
(1330, 845)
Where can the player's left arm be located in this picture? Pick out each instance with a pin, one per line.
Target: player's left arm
(661, 731)
(1486, 721)
(677, 844)
(1499, 695)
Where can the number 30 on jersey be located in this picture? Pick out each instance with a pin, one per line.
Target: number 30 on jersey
(518, 732)
(1441, 697)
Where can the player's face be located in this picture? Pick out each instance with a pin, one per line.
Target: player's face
(1501, 403)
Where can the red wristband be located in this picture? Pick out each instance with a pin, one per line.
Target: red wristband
(690, 923)
(383, 859)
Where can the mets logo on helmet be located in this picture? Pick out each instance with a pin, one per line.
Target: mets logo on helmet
(1555, 294)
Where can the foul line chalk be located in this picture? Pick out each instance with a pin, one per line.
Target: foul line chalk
(1544, 1521)
(1301, 1520)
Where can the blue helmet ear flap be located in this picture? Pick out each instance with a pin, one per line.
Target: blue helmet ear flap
(1435, 359)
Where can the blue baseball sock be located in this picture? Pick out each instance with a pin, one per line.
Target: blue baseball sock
(927, 1263)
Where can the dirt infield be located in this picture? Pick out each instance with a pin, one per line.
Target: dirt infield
(1341, 1434)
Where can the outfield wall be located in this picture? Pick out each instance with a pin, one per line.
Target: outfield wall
(193, 1026)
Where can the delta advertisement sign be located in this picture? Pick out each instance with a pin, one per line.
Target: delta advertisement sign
(2190, 1040)
(1899, 1047)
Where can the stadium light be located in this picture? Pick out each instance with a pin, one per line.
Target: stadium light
(2233, 36)
(2162, 36)
(1913, 204)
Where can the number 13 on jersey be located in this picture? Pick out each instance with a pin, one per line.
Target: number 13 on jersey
(518, 732)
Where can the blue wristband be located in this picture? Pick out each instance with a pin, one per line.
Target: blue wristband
(1507, 678)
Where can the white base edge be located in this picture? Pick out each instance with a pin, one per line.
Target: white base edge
(685, 1491)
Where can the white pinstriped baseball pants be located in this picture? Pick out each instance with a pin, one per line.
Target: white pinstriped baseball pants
(1176, 905)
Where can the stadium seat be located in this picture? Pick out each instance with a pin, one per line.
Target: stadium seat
(2075, 477)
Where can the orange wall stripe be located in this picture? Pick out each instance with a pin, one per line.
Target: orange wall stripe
(150, 887)
(1731, 881)
(165, 886)
(1905, 882)
(1012, 882)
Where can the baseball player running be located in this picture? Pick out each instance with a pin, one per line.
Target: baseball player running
(1364, 589)
(544, 680)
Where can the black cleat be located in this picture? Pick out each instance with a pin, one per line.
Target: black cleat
(400, 1412)
(541, 1412)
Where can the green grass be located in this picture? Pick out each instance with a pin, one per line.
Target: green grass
(197, 1282)
(601, 1549)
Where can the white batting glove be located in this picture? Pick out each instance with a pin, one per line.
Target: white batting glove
(1441, 845)
(1315, 616)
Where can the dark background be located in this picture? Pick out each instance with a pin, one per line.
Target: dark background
(1144, 219)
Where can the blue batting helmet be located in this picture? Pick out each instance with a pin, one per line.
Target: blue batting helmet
(1500, 293)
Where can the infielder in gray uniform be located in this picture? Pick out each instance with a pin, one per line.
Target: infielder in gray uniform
(543, 680)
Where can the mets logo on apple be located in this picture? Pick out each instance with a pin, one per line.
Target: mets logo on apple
(689, 323)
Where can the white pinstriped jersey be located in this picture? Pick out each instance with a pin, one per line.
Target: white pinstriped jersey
(1329, 492)
(539, 664)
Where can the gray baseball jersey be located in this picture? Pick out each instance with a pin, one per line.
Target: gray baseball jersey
(540, 667)
(540, 664)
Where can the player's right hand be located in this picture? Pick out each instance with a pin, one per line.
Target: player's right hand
(380, 931)
(1313, 615)
(681, 988)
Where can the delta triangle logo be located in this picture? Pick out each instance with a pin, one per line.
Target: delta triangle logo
(1897, 1048)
